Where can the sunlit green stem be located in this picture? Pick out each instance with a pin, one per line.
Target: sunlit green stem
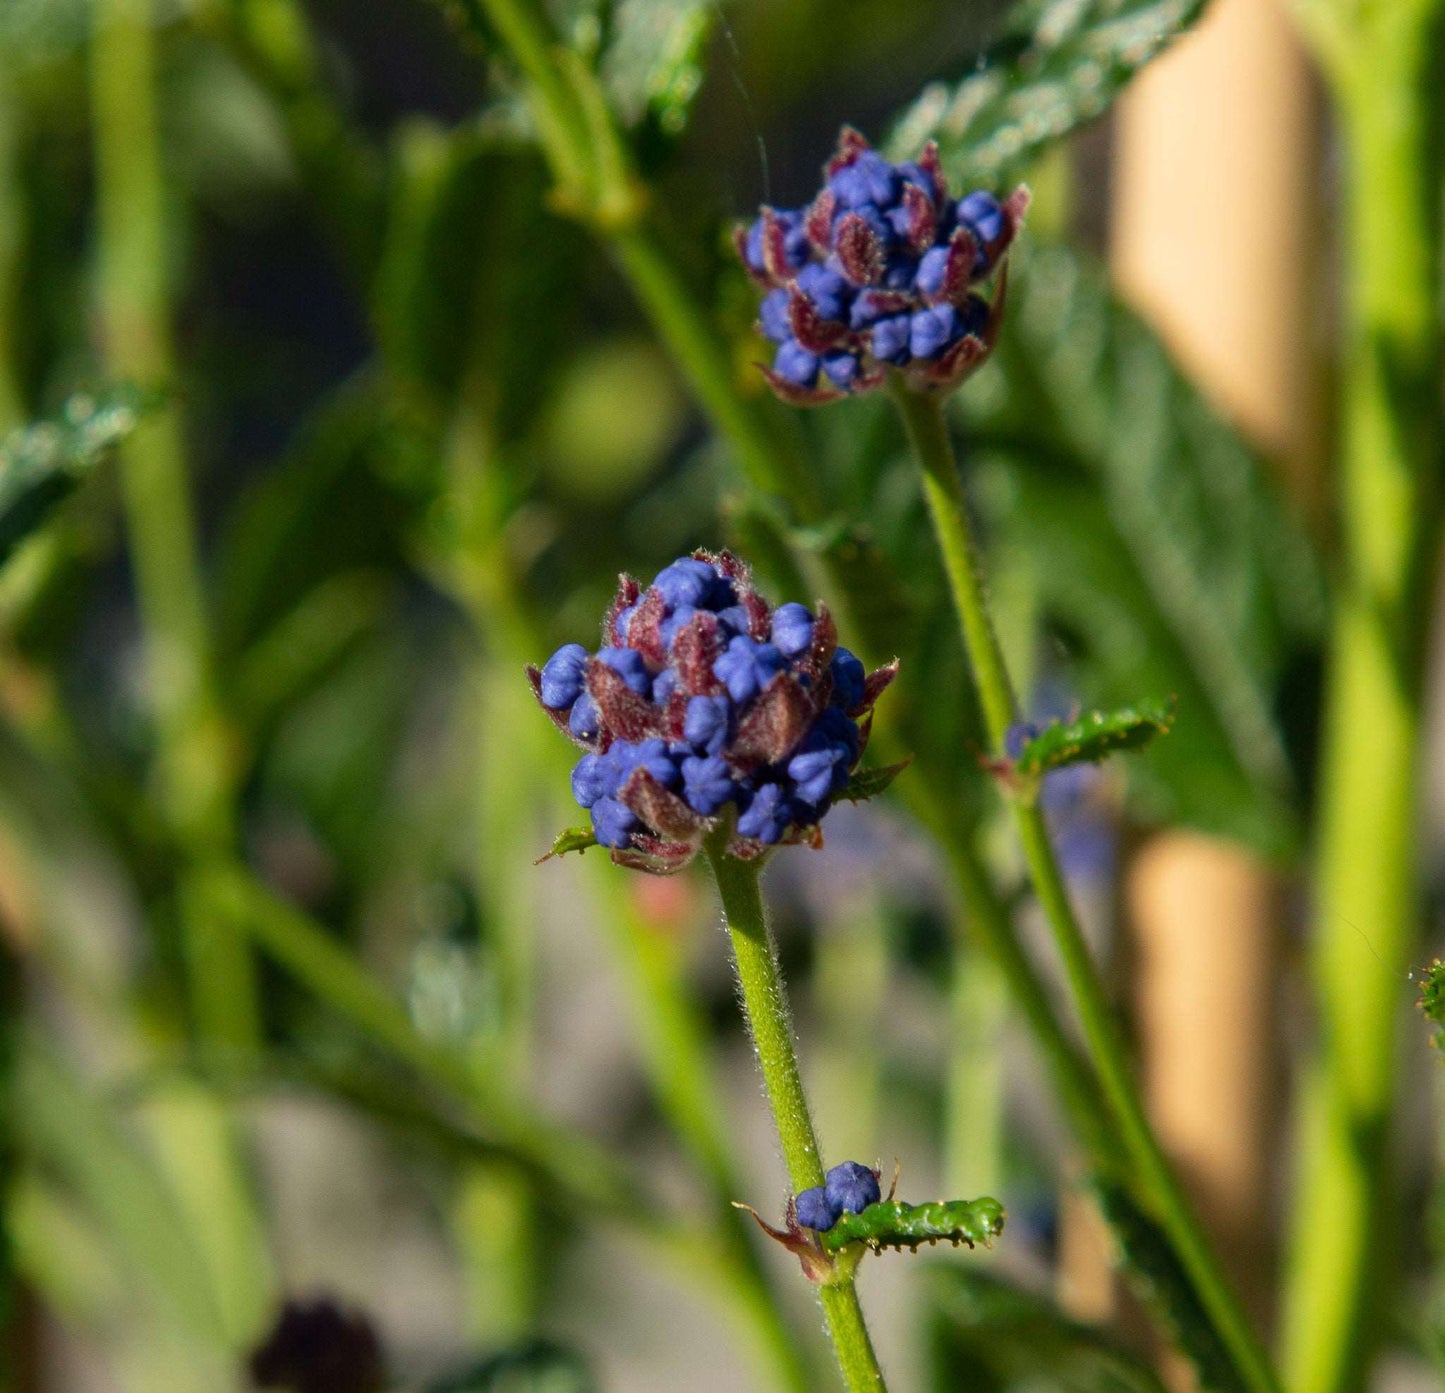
(765, 1000)
(134, 263)
(1384, 62)
(928, 434)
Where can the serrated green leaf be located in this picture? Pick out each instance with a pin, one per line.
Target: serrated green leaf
(573, 839)
(894, 1223)
(869, 783)
(1058, 65)
(1157, 544)
(653, 67)
(1094, 736)
(1015, 1339)
(1162, 1283)
(43, 463)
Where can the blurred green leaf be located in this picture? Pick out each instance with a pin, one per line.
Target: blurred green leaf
(1159, 547)
(1094, 737)
(1058, 65)
(73, 1137)
(1009, 1338)
(538, 1367)
(43, 463)
(1161, 1282)
(653, 65)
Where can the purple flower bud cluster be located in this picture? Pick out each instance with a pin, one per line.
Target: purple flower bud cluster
(877, 272)
(849, 1188)
(704, 701)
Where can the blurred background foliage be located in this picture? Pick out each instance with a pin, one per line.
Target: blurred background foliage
(422, 423)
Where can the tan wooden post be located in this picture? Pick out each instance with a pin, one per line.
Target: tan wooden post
(1214, 238)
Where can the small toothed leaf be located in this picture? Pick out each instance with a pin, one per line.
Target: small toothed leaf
(1058, 65)
(895, 1224)
(864, 784)
(41, 464)
(1094, 736)
(573, 839)
(1432, 998)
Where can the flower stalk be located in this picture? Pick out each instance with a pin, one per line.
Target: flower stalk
(765, 1001)
(928, 435)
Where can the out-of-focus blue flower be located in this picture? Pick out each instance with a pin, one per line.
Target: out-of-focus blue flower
(706, 700)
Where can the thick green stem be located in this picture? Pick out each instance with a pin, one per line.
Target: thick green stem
(928, 434)
(765, 1000)
(193, 756)
(1342, 1270)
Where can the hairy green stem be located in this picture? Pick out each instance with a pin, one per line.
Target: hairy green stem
(1385, 66)
(928, 434)
(765, 1000)
(134, 257)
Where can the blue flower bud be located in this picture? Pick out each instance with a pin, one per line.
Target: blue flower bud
(792, 632)
(828, 291)
(848, 678)
(562, 676)
(627, 664)
(585, 720)
(706, 722)
(850, 1188)
(734, 620)
(795, 241)
(773, 315)
(868, 179)
(612, 822)
(841, 369)
(687, 581)
(667, 630)
(890, 339)
(869, 308)
(594, 777)
(932, 330)
(793, 363)
(1017, 736)
(932, 266)
(707, 783)
(982, 214)
(624, 618)
(813, 1210)
(746, 667)
(663, 686)
(651, 755)
(768, 814)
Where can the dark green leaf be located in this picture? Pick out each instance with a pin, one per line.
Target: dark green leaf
(1058, 65)
(1161, 1282)
(1093, 737)
(42, 464)
(538, 1367)
(573, 839)
(1156, 542)
(869, 783)
(1011, 1338)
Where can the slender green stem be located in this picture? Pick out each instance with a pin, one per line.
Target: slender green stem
(193, 756)
(1384, 62)
(765, 1000)
(928, 434)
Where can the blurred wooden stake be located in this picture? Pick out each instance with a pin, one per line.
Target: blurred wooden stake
(1214, 235)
